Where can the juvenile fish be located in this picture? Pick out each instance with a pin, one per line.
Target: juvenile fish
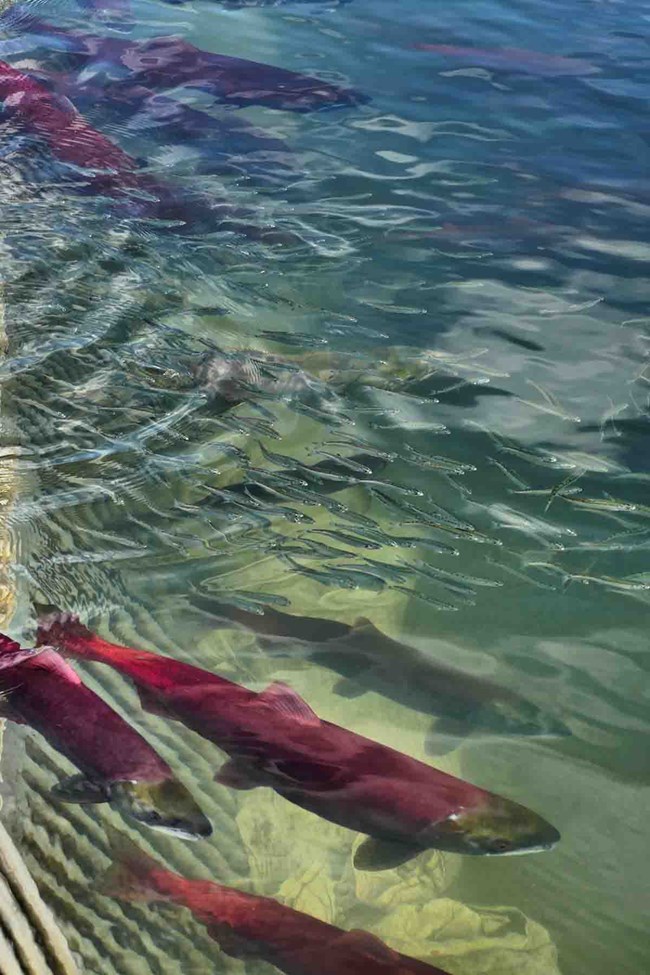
(246, 925)
(39, 689)
(275, 739)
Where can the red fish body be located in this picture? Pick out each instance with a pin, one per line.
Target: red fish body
(245, 924)
(41, 690)
(105, 168)
(67, 134)
(275, 739)
(228, 144)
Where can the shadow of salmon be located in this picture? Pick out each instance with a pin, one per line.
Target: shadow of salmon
(369, 660)
(246, 925)
(40, 689)
(275, 739)
(164, 63)
(514, 60)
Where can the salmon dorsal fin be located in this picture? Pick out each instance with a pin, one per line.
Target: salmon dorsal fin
(360, 624)
(50, 660)
(151, 702)
(283, 698)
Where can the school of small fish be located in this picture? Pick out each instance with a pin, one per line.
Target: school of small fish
(272, 738)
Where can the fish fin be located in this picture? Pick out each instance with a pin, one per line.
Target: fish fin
(233, 945)
(79, 789)
(363, 941)
(348, 687)
(437, 745)
(128, 877)
(444, 736)
(283, 698)
(49, 659)
(151, 702)
(237, 774)
(362, 623)
(376, 854)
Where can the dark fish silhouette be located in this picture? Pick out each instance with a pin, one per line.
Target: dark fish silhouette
(275, 739)
(246, 925)
(513, 59)
(163, 63)
(38, 688)
(368, 660)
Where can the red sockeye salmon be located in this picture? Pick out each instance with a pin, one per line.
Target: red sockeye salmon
(40, 689)
(275, 739)
(246, 925)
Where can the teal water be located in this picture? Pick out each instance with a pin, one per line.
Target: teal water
(462, 280)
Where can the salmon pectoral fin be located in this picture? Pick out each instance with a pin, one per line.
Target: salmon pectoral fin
(80, 790)
(6, 709)
(445, 736)
(283, 698)
(366, 944)
(348, 687)
(237, 774)
(375, 854)
(230, 943)
(363, 625)
(151, 702)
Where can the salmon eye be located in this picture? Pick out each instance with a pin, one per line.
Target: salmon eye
(501, 846)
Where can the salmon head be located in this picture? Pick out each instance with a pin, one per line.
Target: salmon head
(165, 805)
(496, 827)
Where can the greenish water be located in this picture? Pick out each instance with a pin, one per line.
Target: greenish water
(465, 285)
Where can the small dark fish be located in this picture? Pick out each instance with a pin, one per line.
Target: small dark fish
(514, 59)
(274, 739)
(368, 660)
(246, 925)
(163, 63)
(325, 476)
(38, 688)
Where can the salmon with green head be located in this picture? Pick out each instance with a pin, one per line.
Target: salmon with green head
(116, 764)
(273, 738)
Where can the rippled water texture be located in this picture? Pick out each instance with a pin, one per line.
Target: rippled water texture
(377, 354)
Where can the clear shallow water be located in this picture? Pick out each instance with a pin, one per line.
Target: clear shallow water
(488, 220)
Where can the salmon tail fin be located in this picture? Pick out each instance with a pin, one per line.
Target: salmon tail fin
(132, 874)
(65, 631)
